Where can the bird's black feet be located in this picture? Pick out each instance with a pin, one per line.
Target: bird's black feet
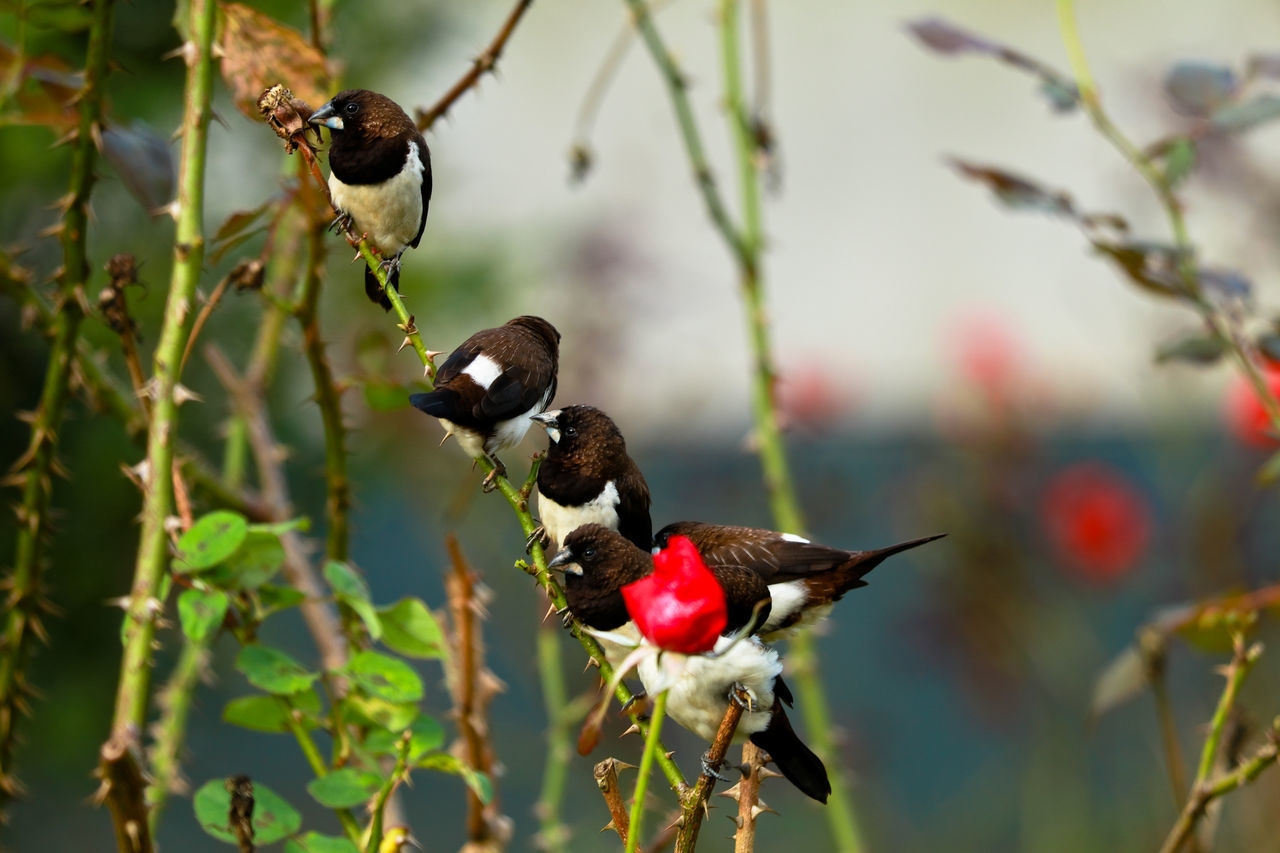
(711, 770)
(538, 536)
(341, 223)
(637, 698)
(390, 265)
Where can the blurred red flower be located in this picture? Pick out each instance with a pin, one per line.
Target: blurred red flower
(988, 353)
(680, 607)
(1097, 520)
(1246, 419)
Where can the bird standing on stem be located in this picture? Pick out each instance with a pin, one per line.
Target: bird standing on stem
(491, 386)
(379, 177)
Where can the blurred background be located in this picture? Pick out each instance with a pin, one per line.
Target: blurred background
(946, 366)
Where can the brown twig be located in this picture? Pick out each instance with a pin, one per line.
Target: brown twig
(473, 687)
(747, 793)
(1153, 648)
(694, 804)
(606, 775)
(482, 64)
(319, 616)
(122, 788)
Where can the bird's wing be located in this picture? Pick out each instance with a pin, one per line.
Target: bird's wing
(634, 521)
(425, 156)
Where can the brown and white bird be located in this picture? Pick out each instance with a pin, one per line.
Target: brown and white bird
(491, 386)
(588, 477)
(597, 562)
(379, 176)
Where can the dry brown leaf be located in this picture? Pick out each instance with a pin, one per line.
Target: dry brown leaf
(259, 51)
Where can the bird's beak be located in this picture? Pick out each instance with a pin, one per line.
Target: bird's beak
(327, 116)
(413, 842)
(549, 420)
(565, 562)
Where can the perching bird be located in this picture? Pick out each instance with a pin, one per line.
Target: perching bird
(598, 562)
(587, 477)
(804, 579)
(492, 385)
(379, 177)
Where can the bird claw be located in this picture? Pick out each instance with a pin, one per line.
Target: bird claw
(566, 617)
(490, 481)
(710, 770)
(341, 222)
(390, 265)
(741, 697)
(538, 536)
(637, 697)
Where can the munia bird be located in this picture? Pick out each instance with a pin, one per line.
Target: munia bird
(598, 562)
(488, 390)
(379, 177)
(588, 477)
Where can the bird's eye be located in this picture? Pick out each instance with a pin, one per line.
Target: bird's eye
(352, 108)
(570, 430)
(588, 553)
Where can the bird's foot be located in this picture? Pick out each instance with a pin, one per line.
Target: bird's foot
(390, 265)
(741, 697)
(538, 536)
(638, 698)
(341, 223)
(490, 481)
(712, 769)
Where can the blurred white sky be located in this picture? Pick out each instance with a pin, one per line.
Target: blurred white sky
(877, 251)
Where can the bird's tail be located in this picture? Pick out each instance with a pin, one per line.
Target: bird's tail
(373, 288)
(849, 574)
(797, 762)
(439, 403)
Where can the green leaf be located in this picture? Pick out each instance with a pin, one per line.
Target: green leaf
(1122, 679)
(409, 629)
(1192, 349)
(273, 818)
(255, 563)
(352, 591)
(427, 734)
(269, 713)
(273, 598)
(384, 677)
(273, 671)
(314, 842)
(1247, 115)
(344, 789)
(446, 763)
(371, 711)
(1179, 160)
(212, 539)
(201, 613)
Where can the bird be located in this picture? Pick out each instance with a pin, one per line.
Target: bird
(597, 563)
(488, 390)
(379, 177)
(804, 578)
(587, 476)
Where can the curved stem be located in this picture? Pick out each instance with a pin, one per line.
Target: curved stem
(37, 466)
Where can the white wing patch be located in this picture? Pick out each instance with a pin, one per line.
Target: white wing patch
(508, 433)
(559, 521)
(483, 371)
(791, 537)
(787, 599)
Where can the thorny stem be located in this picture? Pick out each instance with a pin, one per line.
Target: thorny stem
(140, 618)
(840, 812)
(38, 464)
(749, 805)
(1152, 647)
(384, 794)
(606, 776)
(553, 835)
(652, 745)
(328, 398)
(170, 731)
(1205, 790)
(482, 64)
(694, 804)
(1213, 317)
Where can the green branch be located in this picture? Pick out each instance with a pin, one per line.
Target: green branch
(1214, 318)
(553, 835)
(142, 610)
(38, 464)
(175, 703)
(316, 762)
(652, 745)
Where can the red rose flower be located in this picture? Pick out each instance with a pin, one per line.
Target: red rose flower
(680, 607)
(1246, 418)
(1097, 521)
